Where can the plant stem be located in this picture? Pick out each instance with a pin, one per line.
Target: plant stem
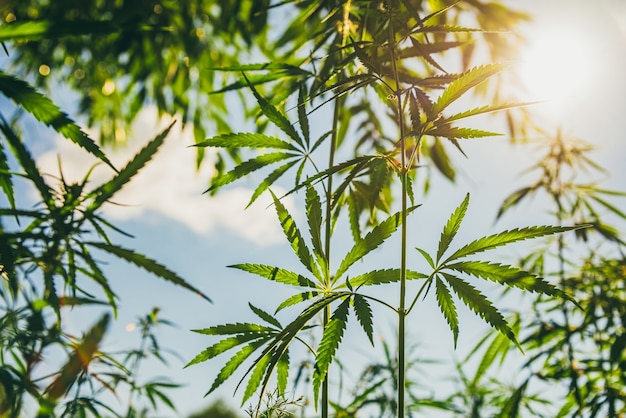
(403, 250)
(327, 236)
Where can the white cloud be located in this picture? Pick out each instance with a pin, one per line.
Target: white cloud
(169, 185)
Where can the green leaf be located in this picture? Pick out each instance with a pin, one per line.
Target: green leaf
(270, 179)
(511, 276)
(478, 303)
(446, 305)
(507, 237)
(276, 274)
(260, 369)
(282, 373)
(233, 364)
(246, 168)
(303, 120)
(236, 328)
(148, 265)
(6, 184)
(465, 82)
(498, 347)
(371, 241)
(265, 316)
(108, 189)
(275, 116)
(333, 333)
(27, 162)
(514, 198)
(295, 299)
(246, 140)
(48, 29)
(45, 111)
(295, 238)
(427, 257)
(452, 227)
(223, 346)
(363, 313)
(453, 132)
(382, 277)
(314, 218)
(485, 109)
(440, 158)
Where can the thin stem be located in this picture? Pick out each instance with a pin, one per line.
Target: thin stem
(328, 232)
(403, 250)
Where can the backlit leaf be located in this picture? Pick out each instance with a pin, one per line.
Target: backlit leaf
(465, 82)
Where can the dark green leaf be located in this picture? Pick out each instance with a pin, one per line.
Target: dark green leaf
(364, 315)
(147, 264)
(47, 112)
(446, 305)
(478, 303)
(333, 333)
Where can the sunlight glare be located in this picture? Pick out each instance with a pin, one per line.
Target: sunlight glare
(557, 67)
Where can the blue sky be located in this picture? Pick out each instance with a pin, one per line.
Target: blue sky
(198, 237)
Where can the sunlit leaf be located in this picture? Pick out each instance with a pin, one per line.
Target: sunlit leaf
(465, 82)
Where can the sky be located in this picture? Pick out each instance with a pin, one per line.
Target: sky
(197, 236)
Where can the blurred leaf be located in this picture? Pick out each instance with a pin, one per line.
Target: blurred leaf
(46, 112)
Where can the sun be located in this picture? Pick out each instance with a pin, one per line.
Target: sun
(557, 67)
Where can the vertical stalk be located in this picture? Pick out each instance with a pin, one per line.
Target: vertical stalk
(403, 213)
(327, 235)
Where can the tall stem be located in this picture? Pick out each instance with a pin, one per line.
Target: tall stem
(403, 213)
(327, 235)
